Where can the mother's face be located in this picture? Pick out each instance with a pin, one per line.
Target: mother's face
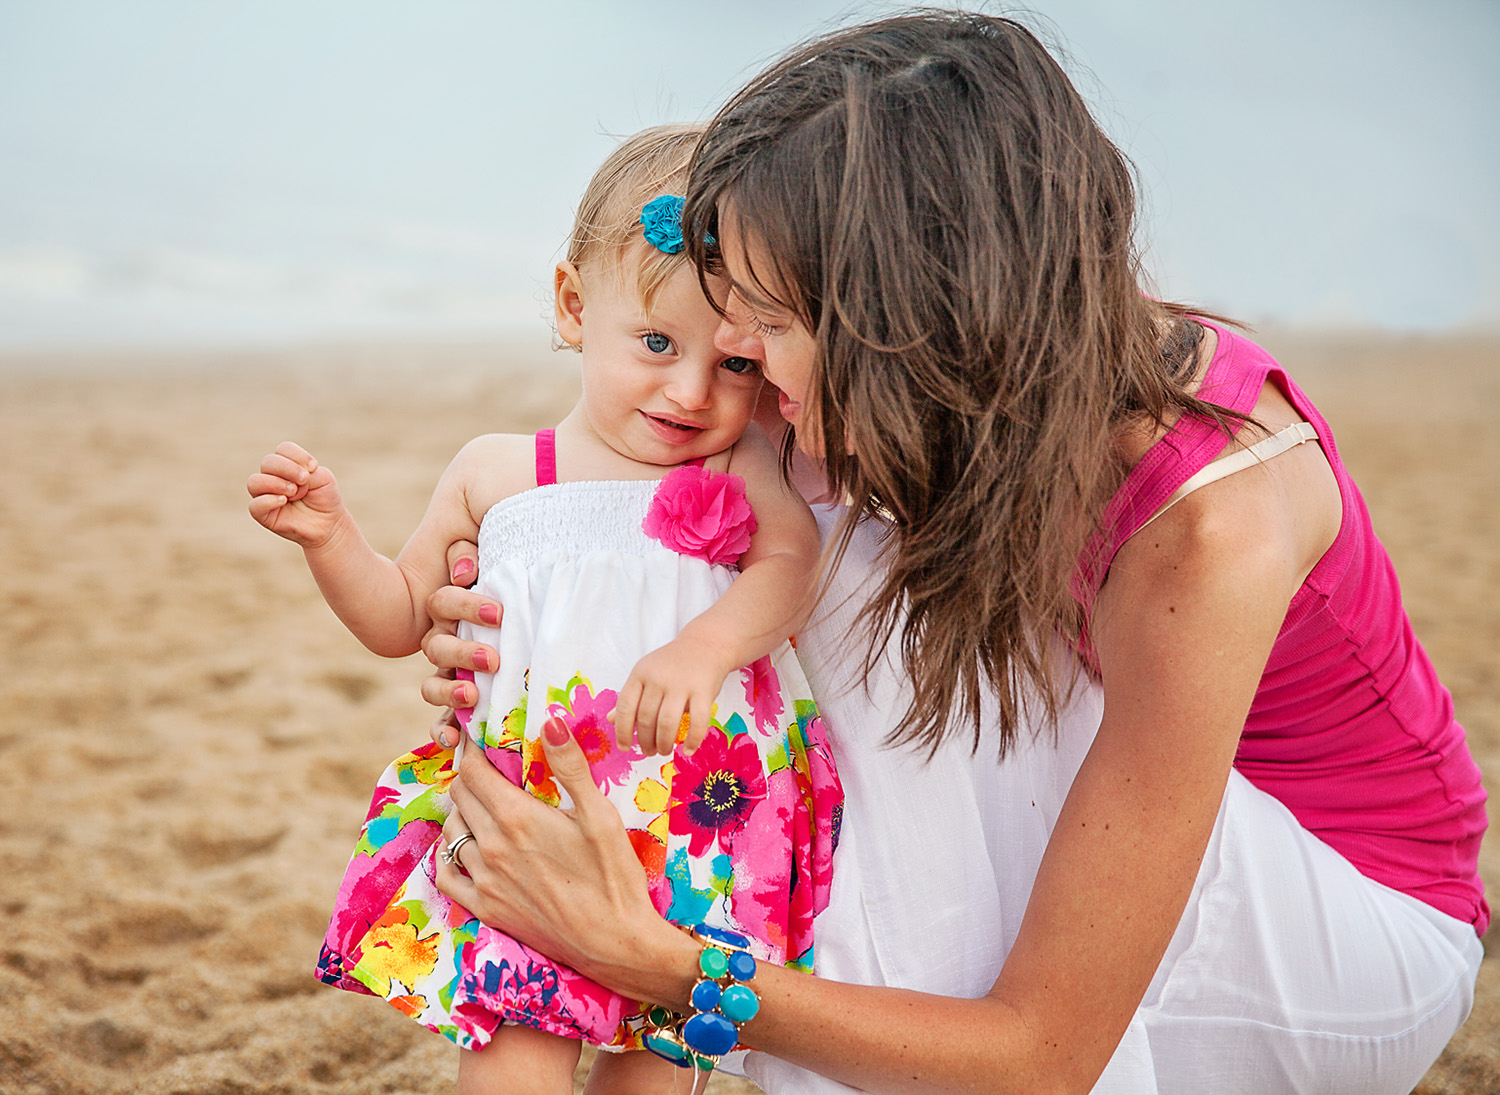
(762, 330)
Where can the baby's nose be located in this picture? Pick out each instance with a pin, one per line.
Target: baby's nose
(690, 386)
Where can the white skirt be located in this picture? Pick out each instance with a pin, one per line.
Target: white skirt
(1292, 972)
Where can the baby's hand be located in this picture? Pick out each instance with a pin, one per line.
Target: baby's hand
(296, 497)
(668, 698)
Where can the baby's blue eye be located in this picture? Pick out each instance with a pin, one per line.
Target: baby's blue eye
(738, 364)
(658, 344)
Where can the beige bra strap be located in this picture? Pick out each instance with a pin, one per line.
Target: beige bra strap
(1297, 433)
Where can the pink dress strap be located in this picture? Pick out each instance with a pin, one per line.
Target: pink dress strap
(546, 457)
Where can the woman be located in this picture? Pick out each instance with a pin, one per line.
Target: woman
(928, 243)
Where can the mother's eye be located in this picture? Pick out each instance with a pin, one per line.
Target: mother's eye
(657, 344)
(739, 364)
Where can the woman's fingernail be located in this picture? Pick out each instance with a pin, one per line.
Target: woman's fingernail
(481, 661)
(462, 568)
(490, 614)
(461, 696)
(555, 731)
(443, 739)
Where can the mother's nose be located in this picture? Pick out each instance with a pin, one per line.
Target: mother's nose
(737, 339)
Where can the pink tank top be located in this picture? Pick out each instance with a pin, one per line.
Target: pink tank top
(1350, 727)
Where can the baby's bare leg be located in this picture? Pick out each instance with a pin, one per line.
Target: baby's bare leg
(521, 1060)
(639, 1073)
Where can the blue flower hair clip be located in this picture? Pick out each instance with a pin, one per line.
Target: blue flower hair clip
(662, 220)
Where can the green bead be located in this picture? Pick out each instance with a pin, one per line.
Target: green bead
(659, 1016)
(713, 962)
(705, 1064)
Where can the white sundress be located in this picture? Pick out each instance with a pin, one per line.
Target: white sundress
(739, 836)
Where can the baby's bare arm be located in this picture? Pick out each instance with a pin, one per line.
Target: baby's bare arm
(771, 597)
(383, 602)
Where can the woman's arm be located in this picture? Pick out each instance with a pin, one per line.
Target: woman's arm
(765, 604)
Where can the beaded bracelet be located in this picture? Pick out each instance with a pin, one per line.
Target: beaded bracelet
(720, 1001)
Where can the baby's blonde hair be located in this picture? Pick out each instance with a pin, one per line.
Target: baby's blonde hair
(607, 234)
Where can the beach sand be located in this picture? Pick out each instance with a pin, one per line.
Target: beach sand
(189, 738)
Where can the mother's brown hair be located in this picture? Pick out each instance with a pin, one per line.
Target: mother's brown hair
(944, 214)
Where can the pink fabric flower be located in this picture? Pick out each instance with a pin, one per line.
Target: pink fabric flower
(701, 513)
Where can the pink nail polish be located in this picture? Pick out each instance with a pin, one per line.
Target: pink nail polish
(555, 731)
(490, 614)
(481, 661)
(462, 568)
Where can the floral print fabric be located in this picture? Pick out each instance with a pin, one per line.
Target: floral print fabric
(740, 835)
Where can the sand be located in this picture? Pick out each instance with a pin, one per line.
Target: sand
(188, 738)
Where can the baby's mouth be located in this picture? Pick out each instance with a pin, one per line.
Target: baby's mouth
(681, 427)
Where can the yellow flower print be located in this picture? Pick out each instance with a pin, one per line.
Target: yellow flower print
(393, 951)
(651, 798)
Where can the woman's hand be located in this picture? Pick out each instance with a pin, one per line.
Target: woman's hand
(566, 882)
(445, 650)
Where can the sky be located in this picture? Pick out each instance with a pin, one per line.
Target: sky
(174, 172)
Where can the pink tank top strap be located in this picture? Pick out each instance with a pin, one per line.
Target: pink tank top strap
(1233, 380)
(546, 457)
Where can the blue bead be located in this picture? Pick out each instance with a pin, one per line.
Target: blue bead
(723, 935)
(710, 1033)
(742, 965)
(705, 996)
(739, 1004)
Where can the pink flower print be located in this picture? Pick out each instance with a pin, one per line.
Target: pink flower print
(809, 891)
(823, 796)
(528, 988)
(714, 790)
(474, 1024)
(465, 714)
(763, 694)
(701, 513)
(586, 716)
(762, 872)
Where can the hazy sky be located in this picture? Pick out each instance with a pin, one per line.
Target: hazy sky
(218, 172)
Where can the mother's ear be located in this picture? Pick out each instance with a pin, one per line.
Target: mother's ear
(567, 303)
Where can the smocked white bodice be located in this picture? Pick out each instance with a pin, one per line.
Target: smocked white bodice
(573, 519)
